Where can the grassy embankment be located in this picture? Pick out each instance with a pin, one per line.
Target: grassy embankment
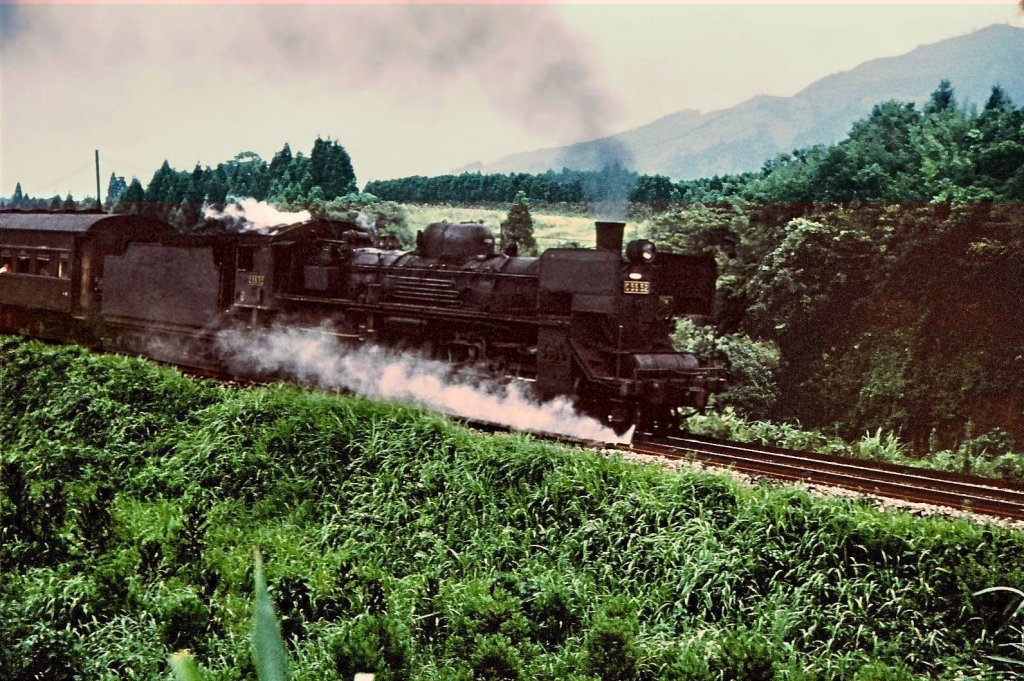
(398, 542)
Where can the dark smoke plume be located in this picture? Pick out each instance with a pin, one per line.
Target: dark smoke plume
(524, 59)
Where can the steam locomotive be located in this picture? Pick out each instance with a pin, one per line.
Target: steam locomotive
(593, 324)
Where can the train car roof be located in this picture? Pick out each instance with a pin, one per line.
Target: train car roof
(75, 223)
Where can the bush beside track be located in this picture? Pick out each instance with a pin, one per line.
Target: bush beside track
(398, 542)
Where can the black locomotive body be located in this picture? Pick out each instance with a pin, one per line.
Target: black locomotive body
(586, 323)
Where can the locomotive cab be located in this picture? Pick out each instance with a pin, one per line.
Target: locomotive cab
(277, 266)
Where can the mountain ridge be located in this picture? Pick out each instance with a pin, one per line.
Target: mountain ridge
(687, 144)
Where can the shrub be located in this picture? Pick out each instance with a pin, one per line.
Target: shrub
(378, 644)
(752, 389)
(496, 658)
(745, 656)
(184, 619)
(610, 643)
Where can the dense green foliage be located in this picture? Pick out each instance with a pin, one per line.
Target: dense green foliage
(566, 187)
(386, 217)
(399, 543)
(179, 196)
(900, 317)
(886, 269)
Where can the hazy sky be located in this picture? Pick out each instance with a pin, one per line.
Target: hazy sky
(407, 89)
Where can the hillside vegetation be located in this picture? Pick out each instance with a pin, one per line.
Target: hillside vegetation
(400, 543)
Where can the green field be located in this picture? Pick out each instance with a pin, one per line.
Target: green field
(397, 542)
(550, 229)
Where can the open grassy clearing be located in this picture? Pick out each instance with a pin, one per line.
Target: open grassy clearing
(550, 229)
(395, 541)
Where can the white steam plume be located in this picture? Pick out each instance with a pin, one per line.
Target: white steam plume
(367, 222)
(313, 357)
(252, 215)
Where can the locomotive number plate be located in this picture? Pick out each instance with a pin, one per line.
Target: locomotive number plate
(636, 287)
(255, 280)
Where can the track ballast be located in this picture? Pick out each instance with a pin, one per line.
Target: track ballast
(972, 493)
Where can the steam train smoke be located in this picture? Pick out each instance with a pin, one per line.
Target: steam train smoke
(245, 215)
(313, 358)
(524, 60)
(367, 222)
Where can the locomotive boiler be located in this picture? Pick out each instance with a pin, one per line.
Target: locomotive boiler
(591, 324)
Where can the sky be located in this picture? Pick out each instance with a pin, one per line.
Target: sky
(406, 88)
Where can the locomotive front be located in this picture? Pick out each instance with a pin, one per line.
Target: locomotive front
(617, 352)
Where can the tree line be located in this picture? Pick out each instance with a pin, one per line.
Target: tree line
(179, 196)
(566, 186)
(940, 152)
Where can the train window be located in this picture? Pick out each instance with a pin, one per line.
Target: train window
(63, 271)
(43, 264)
(7, 260)
(23, 264)
(246, 258)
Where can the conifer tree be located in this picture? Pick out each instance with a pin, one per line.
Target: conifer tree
(943, 99)
(191, 205)
(517, 228)
(281, 162)
(115, 190)
(331, 169)
(217, 187)
(133, 198)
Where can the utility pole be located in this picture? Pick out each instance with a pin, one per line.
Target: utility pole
(99, 202)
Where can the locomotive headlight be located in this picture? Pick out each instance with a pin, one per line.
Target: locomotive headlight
(641, 252)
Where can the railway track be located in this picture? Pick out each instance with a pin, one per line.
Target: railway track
(976, 494)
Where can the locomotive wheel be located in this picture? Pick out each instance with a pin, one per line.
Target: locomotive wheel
(660, 421)
(619, 416)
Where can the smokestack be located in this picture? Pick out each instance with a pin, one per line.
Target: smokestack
(609, 236)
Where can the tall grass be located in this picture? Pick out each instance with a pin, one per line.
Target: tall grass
(404, 545)
(988, 455)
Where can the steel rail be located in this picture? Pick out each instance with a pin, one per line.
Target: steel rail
(972, 493)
